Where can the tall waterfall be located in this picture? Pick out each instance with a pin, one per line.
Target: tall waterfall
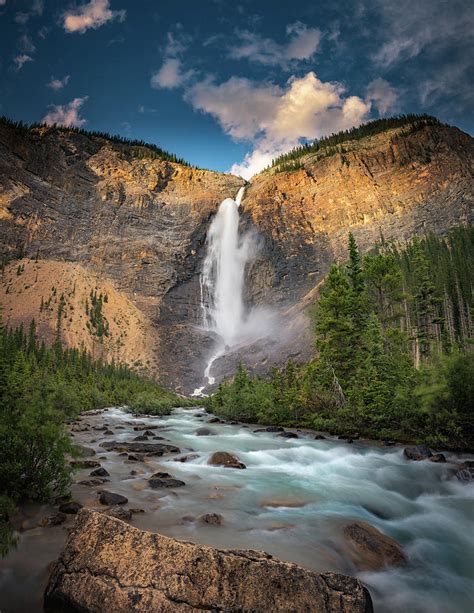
(222, 278)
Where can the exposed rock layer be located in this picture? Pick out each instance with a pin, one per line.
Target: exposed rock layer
(109, 566)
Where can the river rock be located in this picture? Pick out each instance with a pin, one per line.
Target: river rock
(109, 499)
(109, 566)
(270, 429)
(187, 458)
(417, 453)
(465, 475)
(136, 447)
(84, 463)
(85, 451)
(371, 549)
(144, 427)
(165, 482)
(100, 472)
(204, 432)
(319, 437)
(92, 482)
(119, 513)
(141, 437)
(223, 458)
(287, 434)
(214, 519)
(214, 420)
(71, 508)
(53, 520)
(438, 458)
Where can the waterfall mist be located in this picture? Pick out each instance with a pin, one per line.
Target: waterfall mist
(222, 285)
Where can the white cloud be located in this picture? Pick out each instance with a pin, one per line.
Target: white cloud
(36, 10)
(277, 118)
(302, 45)
(382, 95)
(67, 114)
(58, 84)
(21, 60)
(171, 74)
(92, 15)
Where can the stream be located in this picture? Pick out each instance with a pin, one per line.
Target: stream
(291, 501)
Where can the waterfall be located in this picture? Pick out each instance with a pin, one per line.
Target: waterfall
(222, 279)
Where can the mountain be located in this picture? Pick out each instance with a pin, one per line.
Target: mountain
(112, 234)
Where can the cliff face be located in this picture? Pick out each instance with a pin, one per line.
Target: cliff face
(135, 228)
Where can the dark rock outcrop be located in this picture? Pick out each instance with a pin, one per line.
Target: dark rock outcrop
(109, 566)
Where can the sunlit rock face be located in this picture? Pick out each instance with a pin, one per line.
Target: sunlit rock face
(141, 226)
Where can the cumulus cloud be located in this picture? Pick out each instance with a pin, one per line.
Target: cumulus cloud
(303, 43)
(171, 74)
(21, 59)
(58, 84)
(277, 118)
(382, 95)
(93, 15)
(67, 114)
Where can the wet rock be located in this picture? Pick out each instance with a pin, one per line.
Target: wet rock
(187, 519)
(222, 458)
(53, 520)
(465, 475)
(100, 428)
(388, 443)
(109, 499)
(92, 482)
(213, 519)
(438, 458)
(141, 437)
(288, 435)
(109, 566)
(157, 449)
(108, 432)
(290, 503)
(100, 472)
(270, 429)
(85, 451)
(319, 437)
(119, 513)
(165, 482)
(149, 433)
(84, 463)
(204, 432)
(144, 427)
(71, 508)
(417, 453)
(370, 549)
(158, 438)
(187, 458)
(214, 420)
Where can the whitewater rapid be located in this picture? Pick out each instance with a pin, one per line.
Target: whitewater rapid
(292, 501)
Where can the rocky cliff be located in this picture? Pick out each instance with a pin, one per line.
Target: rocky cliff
(134, 229)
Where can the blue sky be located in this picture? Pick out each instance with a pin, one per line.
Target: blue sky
(229, 85)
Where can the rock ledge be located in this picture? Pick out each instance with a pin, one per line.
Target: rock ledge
(107, 565)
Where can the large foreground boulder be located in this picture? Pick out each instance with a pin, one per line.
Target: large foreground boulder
(109, 566)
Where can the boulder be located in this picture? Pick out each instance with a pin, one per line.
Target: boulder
(109, 499)
(159, 482)
(71, 508)
(319, 437)
(214, 420)
(187, 458)
(417, 453)
(141, 437)
(204, 432)
(222, 458)
(270, 429)
(287, 434)
(119, 513)
(465, 475)
(53, 520)
(100, 472)
(438, 458)
(214, 519)
(371, 549)
(108, 565)
(135, 447)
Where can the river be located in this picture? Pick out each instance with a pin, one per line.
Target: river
(291, 501)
